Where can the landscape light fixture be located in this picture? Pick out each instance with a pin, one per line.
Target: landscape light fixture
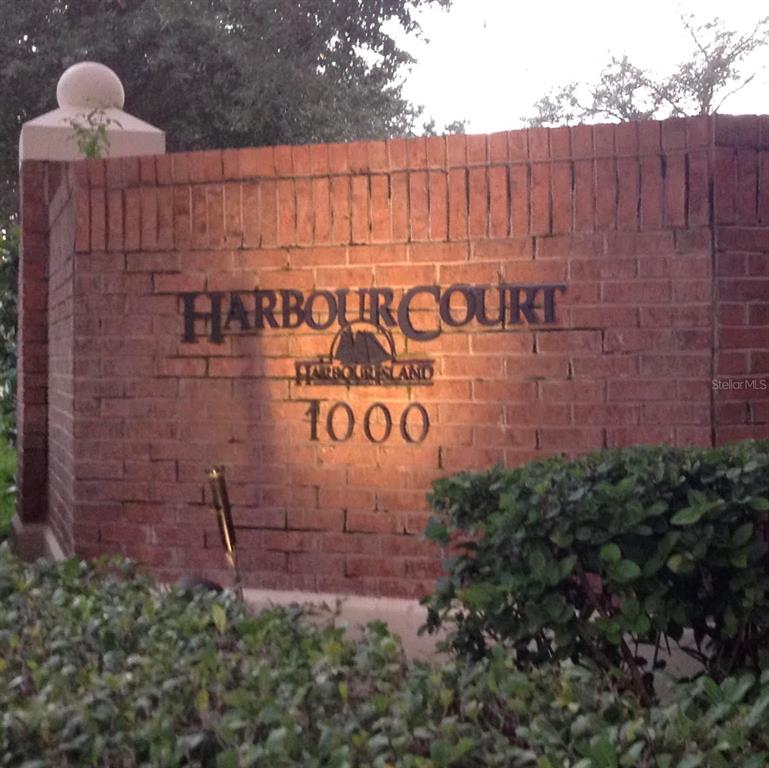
(220, 503)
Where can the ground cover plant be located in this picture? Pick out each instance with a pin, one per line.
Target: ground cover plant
(100, 668)
(588, 559)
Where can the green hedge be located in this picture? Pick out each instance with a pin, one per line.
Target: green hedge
(584, 559)
(98, 668)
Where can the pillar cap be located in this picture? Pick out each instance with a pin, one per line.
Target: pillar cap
(90, 85)
(90, 97)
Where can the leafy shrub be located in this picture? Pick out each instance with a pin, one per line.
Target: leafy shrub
(99, 668)
(585, 559)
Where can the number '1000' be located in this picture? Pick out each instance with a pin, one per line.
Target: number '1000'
(340, 422)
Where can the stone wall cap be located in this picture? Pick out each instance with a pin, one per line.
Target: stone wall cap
(90, 85)
(91, 97)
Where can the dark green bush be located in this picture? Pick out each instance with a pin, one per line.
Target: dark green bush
(98, 668)
(584, 559)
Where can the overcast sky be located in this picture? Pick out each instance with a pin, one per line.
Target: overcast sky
(488, 61)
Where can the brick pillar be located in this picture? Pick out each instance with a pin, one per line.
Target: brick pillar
(741, 234)
(52, 225)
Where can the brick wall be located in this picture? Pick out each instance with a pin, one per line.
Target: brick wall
(620, 215)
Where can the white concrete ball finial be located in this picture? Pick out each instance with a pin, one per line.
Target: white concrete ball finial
(90, 85)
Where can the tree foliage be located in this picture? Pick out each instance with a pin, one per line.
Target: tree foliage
(215, 73)
(700, 84)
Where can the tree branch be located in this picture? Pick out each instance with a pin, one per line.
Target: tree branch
(733, 91)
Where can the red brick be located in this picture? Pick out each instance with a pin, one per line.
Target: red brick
(584, 196)
(759, 362)
(478, 203)
(677, 413)
(747, 186)
(418, 205)
(370, 522)
(698, 189)
(637, 435)
(115, 220)
(399, 207)
(374, 566)
(674, 134)
(758, 264)
(377, 155)
(315, 520)
(566, 341)
(396, 150)
(476, 150)
(743, 239)
(754, 289)
(291, 541)
(498, 147)
(743, 338)
(286, 212)
(300, 158)
(357, 154)
(131, 169)
(499, 206)
(149, 220)
(519, 200)
(603, 140)
(686, 365)
(233, 226)
(458, 206)
(763, 188)
(649, 137)
(582, 141)
(518, 146)
(626, 138)
(199, 207)
(737, 131)
(98, 220)
(539, 144)
(540, 198)
(675, 190)
(261, 226)
(601, 415)
(731, 264)
(456, 149)
(606, 193)
(636, 291)
(699, 131)
(571, 438)
(283, 161)
(215, 215)
(560, 143)
(303, 212)
(436, 151)
(336, 155)
(724, 185)
(438, 196)
(651, 193)
(561, 196)
(416, 152)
